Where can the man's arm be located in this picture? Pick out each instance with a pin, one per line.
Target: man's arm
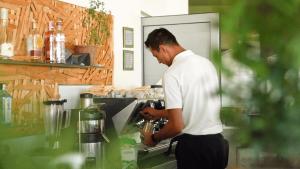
(151, 113)
(172, 128)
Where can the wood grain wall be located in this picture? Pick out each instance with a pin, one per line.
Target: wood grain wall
(30, 85)
(21, 13)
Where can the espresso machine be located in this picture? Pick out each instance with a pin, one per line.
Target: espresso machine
(145, 124)
(124, 117)
(92, 139)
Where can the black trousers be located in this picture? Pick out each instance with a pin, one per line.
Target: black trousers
(202, 152)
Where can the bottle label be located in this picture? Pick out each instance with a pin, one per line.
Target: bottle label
(4, 13)
(29, 44)
(36, 48)
(60, 48)
(6, 109)
(7, 115)
(7, 50)
(37, 42)
(51, 38)
(52, 49)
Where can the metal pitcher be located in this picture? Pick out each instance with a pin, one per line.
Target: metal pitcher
(53, 116)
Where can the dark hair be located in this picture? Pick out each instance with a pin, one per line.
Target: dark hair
(158, 37)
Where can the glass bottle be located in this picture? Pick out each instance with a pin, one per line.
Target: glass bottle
(49, 44)
(35, 43)
(5, 106)
(60, 43)
(29, 41)
(6, 46)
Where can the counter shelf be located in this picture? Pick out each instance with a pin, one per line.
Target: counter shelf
(26, 63)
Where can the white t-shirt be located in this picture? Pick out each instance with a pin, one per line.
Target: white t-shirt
(192, 83)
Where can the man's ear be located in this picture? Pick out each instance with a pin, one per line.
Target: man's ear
(163, 48)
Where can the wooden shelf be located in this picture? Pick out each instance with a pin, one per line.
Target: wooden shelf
(16, 62)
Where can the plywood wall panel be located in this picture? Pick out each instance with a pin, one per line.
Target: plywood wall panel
(21, 13)
(31, 85)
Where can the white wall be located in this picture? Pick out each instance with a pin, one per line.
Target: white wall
(127, 14)
(72, 94)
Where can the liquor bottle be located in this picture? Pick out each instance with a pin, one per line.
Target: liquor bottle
(60, 43)
(5, 106)
(29, 45)
(35, 43)
(49, 44)
(6, 46)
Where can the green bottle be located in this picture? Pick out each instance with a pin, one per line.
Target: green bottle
(5, 106)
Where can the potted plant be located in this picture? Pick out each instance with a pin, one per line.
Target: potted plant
(97, 25)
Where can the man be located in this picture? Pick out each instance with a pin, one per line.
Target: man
(191, 105)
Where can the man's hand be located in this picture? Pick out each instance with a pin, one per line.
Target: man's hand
(146, 139)
(151, 113)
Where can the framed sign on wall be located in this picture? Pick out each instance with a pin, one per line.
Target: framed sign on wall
(128, 37)
(128, 60)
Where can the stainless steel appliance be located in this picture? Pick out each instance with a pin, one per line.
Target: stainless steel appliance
(53, 120)
(91, 135)
(152, 157)
(86, 100)
(125, 117)
(144, 124)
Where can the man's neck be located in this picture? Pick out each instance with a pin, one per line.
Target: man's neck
(177, 49)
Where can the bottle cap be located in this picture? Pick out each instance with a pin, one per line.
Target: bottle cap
(59, 24)
(51, 25)
(4, 13)
(34, 25)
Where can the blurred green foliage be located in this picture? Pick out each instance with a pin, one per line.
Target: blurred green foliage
(29, 149)
(266, 39)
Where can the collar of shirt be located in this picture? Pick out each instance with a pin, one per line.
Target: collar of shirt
(182, 55)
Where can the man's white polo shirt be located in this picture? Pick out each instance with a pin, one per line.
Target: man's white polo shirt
(192, 83)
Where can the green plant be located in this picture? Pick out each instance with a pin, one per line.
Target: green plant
(96, 21)
(274, 59)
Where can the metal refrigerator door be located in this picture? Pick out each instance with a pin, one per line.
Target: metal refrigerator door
(197, 32)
